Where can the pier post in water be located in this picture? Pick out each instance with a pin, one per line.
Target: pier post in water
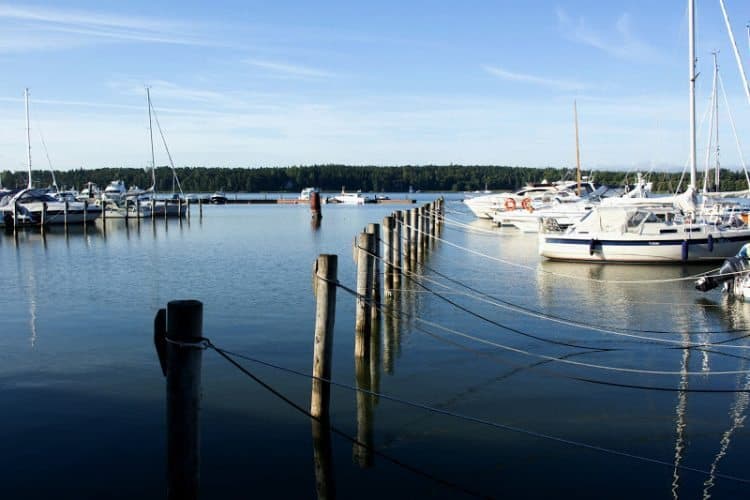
(324, 288)
(374, 230)
(406, 240)
(364, 295)
(85, 212)
(44, 214)
(413, 239)
(396, 260)
(387, 255)
(315, 206)
(184, 331)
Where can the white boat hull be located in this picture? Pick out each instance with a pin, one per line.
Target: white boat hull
(597, 248)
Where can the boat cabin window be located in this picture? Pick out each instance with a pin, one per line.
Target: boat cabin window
(636, 219)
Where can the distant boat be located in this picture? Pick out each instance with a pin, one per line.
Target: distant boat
(351, 198)
(218, 198)
(307, 193)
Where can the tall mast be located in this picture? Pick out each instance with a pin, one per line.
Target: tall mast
(151, 137)
(691, 52)
(716, 112)
(28, 136)
(578, 152)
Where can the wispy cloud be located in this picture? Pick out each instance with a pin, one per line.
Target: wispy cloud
(533, 79)
(80, 18)
(289, 70)
(44, 28)
(619, 41)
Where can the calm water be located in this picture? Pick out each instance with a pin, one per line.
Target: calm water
(83, 396)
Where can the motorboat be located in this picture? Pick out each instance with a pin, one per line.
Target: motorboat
(114, 192)
(307, 192)
(32, 207)
(733, 276)
(485, 206)
(350, 198)
(655, 233)
(218, 198)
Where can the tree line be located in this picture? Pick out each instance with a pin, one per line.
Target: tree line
(352, 178)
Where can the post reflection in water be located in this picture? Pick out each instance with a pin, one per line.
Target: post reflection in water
(362, 453)
(325, 485)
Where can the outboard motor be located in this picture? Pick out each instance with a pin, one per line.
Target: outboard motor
(729, 270)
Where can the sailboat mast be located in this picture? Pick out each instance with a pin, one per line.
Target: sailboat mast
(691, 53)
(578, 151)
(28, 136)
(716, 112)
(151, 137)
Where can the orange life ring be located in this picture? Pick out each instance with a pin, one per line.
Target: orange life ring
(526, 204)
(510, 204)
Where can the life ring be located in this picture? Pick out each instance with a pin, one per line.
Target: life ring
(526, 204)
(510, 204)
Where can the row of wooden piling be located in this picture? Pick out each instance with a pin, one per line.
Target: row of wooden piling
(406, 240)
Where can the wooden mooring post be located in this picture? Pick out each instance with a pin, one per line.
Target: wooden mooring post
(396, 250)
(405, 219)
(200, 208)
(178, 331)
(43, 220)
(324, 289)
(374, 230)
(387, 256)
(66, 207)
(414, 230)
(364, 294)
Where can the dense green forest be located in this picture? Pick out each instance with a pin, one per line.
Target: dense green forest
(334, 177)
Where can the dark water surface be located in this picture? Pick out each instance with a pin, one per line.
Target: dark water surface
(82, 394)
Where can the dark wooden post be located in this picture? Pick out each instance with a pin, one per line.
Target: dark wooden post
(187, 208)
(374, 230)
(153, 208)
(364, 295)
(184, 330)
(65, 213)
(406, 241)
(44, 214)
(387, 255)
(413, 217)
(324, 288)
(362, 455)
(398, 228)
(85, 212)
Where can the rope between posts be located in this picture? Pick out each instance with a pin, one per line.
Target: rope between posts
(226, 355)
(388, 310)
(468, 418)
(552, 358)
(551, 273)
(677, 343)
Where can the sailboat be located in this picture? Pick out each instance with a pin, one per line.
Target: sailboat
(145, 202)
(35, 207)
(653, 233)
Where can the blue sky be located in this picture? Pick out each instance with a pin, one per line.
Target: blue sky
(250, 83)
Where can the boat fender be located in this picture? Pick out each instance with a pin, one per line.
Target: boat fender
(710, 243)
(526, 204)
(592, 246)
(510, 204)
(684, 250)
